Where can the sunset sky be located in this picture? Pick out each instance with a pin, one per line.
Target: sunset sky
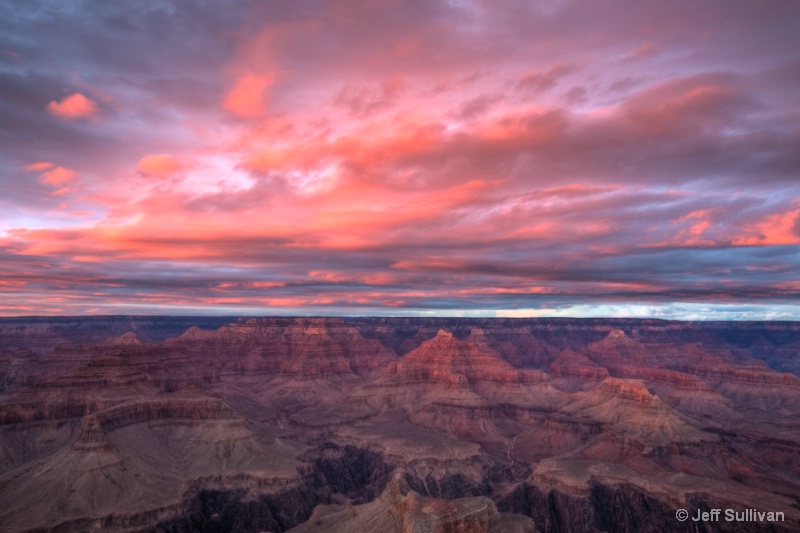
(460, 157)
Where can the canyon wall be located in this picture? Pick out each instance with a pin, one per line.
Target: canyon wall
(179, 424)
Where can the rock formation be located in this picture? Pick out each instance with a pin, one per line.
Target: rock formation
(179, 424)
(401, 510)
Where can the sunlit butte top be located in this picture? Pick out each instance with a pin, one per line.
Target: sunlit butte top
(453, 157)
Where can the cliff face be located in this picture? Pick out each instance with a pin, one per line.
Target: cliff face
(446, 359)
(401, 510)
(303, 348)
(141, 424)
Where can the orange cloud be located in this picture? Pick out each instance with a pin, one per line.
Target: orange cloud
(73, 107)
(246, 97)
(159, 165)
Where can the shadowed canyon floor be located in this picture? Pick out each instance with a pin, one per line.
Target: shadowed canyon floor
(179, 424)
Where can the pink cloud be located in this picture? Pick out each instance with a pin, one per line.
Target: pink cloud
(544, 80)
(775, 229)
(54, 175)
(642, 52)
(701, 101)
(73, 107)
(246, 99)
(40, 166)
(159, 165)
(58, 176)
(695, 228)
(436, 145)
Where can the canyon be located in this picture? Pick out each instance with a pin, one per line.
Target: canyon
(141, 424)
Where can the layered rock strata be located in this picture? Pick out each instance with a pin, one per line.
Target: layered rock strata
(140, 424)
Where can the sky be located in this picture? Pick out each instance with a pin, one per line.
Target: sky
(401, 157)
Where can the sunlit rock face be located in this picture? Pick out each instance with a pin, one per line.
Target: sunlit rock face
(140, 424)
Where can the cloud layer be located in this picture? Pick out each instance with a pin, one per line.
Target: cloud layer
(414, 157)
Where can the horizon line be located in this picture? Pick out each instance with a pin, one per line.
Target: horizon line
(407, 316)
